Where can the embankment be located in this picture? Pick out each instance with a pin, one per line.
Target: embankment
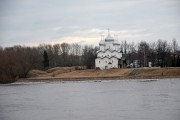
(70, 74)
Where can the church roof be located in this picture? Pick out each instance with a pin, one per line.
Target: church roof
(109, 57)
(108, 50)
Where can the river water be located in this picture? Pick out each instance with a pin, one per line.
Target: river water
(92, 100)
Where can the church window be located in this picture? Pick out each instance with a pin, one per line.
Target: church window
(99, 61)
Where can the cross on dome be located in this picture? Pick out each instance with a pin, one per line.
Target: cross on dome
(109, 36)
(108, 31)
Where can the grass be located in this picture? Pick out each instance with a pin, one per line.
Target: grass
(70, 73)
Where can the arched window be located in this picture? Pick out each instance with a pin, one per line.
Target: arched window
(99, 61)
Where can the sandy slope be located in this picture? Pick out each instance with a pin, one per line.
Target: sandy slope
(71, 73)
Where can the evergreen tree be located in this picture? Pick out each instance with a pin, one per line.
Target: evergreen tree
(46, 59)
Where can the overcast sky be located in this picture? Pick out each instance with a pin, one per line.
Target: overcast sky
(31, 22)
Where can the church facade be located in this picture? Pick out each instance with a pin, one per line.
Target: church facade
(109, 54)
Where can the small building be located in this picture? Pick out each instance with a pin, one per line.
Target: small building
(109, 54)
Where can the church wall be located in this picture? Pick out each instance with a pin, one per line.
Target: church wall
(119, 55)
(103, 63)
(109, 45)
(100, 54)
(114, 62)
(108, 53)
(99, 64)
(102, 48)
(117, 47)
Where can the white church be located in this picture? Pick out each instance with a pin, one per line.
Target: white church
(109, 54)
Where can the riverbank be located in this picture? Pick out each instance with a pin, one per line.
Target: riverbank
(70, 74)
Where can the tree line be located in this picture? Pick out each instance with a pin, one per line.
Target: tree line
(17, 61)
(160, 53)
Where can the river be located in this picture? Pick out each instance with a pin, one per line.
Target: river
(92, 100)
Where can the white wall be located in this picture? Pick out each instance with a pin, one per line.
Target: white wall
(102, 48)
(101, 63)
(108, 53)
(117, 47)
(109, 45)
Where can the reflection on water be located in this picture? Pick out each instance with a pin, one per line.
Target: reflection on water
(88, 100)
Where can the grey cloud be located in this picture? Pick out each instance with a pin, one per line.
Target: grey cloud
(22, 21)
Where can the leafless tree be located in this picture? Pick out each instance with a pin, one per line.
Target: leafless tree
(65, 48)
(143, 51)
(174, 46)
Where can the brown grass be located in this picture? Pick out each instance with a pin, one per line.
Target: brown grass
(160, 71)
(70, 72)
(174, 71)
(156, 71)
(52, 72)
(36, 73)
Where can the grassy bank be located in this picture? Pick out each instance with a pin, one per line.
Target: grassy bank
(70, 74)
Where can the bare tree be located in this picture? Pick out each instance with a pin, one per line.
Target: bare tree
(132, 53)
(163, 50)
(174, 46)
(89, 56)
(65, 48)
(56, 53)
(10, 65)
(152, 53)
(125, 46)
(143, 51)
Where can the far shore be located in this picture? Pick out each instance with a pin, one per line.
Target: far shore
(67, 74)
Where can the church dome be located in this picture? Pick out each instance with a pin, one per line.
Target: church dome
(109, 38)
(102, 42)
(116, 42)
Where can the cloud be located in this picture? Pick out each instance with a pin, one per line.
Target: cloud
(92, 36)
(80, 40)
(33, 22)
